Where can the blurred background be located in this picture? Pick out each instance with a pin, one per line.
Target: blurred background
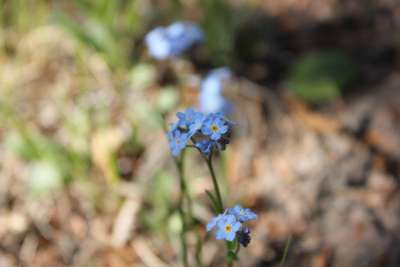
(86, 176)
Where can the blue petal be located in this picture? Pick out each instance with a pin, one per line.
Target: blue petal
(220, 234)
(236, 226)
(230, 236)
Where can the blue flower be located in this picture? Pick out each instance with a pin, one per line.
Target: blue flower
(210, 97)
(177, 141)
(173, 40)
(215, 126)
(227, 226)
(211, 224)
(242, 214)
(206, 146)
(190, 120)
(158, 44)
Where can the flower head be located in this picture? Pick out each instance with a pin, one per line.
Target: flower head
(210, 97)
(215, 126)
(227, 226)
(208, 133)
(244, 236)
(177, 141)
(242, 214)
(206, 146)
(191, 120)
(173, 40)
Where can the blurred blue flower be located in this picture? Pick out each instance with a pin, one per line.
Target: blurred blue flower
(177, 141)
(173, 40)
(242, 214)
(210, 97)
(227, 226)
(215, 126)
(190, 120)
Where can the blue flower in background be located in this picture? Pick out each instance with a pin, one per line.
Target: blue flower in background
(227, 226)
(242, 214)
(173, 40)
(210, 97)
(191, 120)
(177, 141)
(215, 126)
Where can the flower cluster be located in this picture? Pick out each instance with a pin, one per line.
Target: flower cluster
(229, 225)
(210, 97)
(173, 40)
(206, 132)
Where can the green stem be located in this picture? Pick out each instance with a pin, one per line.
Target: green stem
(232, 249)
(188, 220)
(285, 252)
(215, 183)
(182, 183)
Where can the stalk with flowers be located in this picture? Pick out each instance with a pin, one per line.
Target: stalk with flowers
(209, 134)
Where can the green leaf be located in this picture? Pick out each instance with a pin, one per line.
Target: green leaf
(233, 256)
(219, 27)
(315, 91)
(321, 76)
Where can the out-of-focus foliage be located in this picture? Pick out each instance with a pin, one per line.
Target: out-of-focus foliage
(321, 76)
(107, 26)
(22, 15)
(52, 163)
(219, 26)
(159, 199)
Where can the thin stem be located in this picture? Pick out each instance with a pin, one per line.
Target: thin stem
(285, 252)
(232, 251)
(215, 183)
(184, 250)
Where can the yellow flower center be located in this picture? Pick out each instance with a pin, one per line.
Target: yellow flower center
(214, 128)
(228, 228)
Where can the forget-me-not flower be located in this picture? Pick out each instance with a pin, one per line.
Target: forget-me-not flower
(208, 133)
(206, 146)
(242, 214)
(215, 126)
(177, 141)
(211, 224)
(227, 226)
(230, 226)
(173, 40)
(191, 120)
(210, 97)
